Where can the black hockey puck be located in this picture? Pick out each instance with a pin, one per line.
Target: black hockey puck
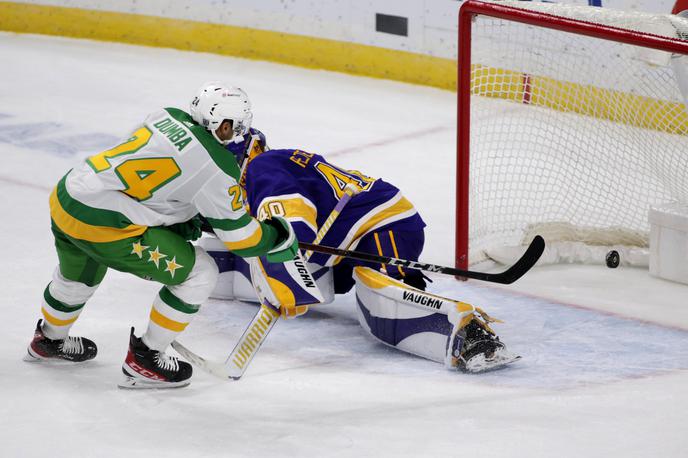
(613, 259)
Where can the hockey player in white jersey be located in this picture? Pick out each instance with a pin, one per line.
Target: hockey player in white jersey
(135, 208)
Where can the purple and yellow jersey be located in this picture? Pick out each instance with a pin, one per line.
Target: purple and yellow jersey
(305, 188)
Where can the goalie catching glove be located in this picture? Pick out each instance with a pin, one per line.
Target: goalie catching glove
(286, 244)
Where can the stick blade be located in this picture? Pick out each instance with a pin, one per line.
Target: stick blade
(525, 262)
(211, 367)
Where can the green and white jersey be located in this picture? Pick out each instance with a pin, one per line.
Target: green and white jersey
(166, 172)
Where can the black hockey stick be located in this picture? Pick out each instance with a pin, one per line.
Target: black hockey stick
(513, 273)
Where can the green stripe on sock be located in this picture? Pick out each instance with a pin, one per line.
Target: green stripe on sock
(173, 301)
(57, 305)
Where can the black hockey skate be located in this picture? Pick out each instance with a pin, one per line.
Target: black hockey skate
(146, 368)
(482, 350)
(72, 349)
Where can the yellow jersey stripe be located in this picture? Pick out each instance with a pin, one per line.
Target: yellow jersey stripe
(83, 231)
(394, 209)
(298, 208)
(167, 323)
(248, 242)
(379, 248)
(401, 206)
(396, 253)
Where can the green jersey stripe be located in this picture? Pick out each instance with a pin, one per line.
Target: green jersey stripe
(222, 158)
(89, 215)
(230, 224)
(266, 243)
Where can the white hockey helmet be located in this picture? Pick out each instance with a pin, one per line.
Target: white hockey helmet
(217, 102)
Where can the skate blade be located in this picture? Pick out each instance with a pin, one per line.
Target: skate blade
(500, 359)
(132, 383)
(31, 357)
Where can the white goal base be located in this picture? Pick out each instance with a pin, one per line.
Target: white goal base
(669, 242)
(573, 253)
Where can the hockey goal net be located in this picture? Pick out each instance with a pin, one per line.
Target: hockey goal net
(571, 124)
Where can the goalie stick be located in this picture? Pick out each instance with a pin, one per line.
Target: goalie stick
(513, 273)
(349, 191)
(262, 323)
(238, 360)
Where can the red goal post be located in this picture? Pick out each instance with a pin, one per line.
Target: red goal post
(509, 12)
(680, 5)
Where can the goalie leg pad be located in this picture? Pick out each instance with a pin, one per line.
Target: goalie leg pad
(234, 280)
(407, 318)
(437, 328)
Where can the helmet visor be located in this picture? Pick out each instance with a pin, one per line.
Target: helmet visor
(240, 127)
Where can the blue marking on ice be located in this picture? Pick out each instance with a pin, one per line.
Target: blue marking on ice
(52, 138)
(564, 346)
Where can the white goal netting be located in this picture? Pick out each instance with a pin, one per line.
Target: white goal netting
(572, 137)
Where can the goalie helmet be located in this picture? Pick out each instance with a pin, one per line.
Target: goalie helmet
(217, 102)
(246, 150)
(251, 146)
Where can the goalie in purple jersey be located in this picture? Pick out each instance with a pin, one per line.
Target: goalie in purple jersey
(306, 190)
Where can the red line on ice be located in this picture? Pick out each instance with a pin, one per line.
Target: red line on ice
(389, 141)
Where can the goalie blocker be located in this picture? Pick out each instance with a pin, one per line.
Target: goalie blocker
(288, 286)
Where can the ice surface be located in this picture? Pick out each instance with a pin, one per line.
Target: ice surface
(605, 351)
